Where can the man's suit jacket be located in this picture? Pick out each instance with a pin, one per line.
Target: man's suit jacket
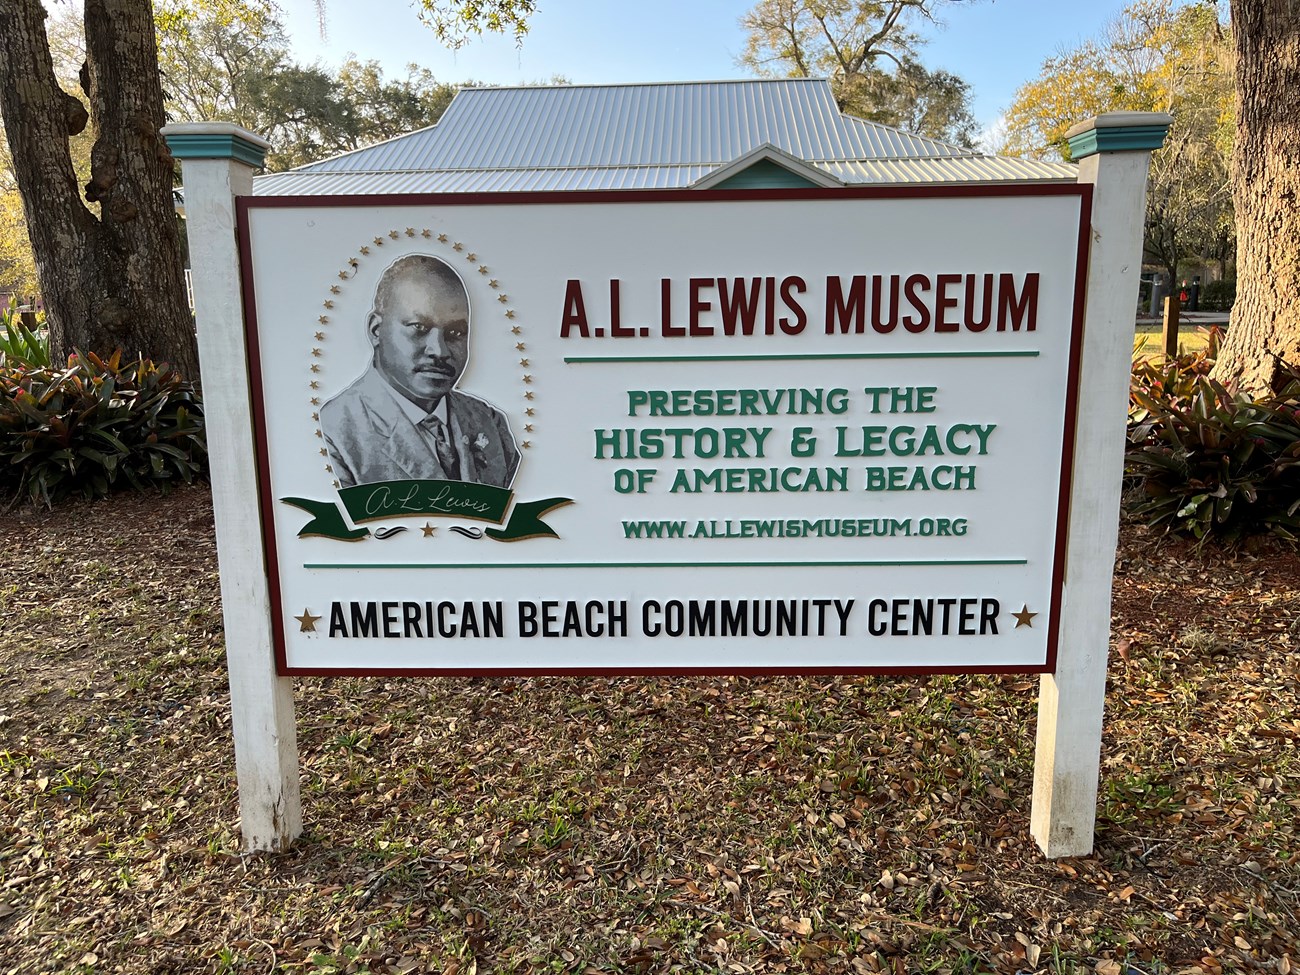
(371, 439)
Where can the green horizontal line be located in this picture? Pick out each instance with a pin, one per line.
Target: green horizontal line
(804, 355)
(650, 565)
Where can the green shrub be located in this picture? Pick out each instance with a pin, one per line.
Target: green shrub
(19, 345)
(1217, 295)
(96, 426)
(1210, 462)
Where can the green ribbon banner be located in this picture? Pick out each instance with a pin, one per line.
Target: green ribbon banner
(438, 499)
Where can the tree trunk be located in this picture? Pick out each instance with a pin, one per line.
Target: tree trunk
(112, 280)
(1265, 324)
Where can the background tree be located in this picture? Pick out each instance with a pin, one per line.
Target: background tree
(868, 50)
(109, 262)
(1152, 58)
(1265, 329)
(108, 258)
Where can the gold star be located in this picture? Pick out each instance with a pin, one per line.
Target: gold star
(514, 330)
(314, 385)
(527, 378)
(324, 452)
(429, 529)
(519, 347)
(306, 622)
(394, 234)
(425, 234)
(523, 362)
(328, 303)
(329, 468)
(528, 394)
(335, 483)
(482, 269)
(324, 319)
(334, 289)
(458, 246)
(316, 353)
(530, 411)
(527, 444)
(528, 428)
(315, 367)
(442, 238)
(471, 257)
(320, 336)
(493, 284)
(315, 416)
(365, 249)
(503, 298)
(315, 401)
(353, 262)
(318, 433)
(344, 276)
(510, 313)
(1024, 617)
(410, 231)
(379, 242)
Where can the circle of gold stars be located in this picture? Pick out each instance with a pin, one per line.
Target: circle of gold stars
(374, 247)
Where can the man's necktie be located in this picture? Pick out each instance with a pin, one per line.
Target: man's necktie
(442, 445)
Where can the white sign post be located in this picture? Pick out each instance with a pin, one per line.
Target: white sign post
(219, 160)
(1113, 151)
(646, 433)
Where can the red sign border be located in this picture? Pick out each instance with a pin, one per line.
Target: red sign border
(243, 204)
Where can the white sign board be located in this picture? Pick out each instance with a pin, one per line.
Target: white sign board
(788, 431)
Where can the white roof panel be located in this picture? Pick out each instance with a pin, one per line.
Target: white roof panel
(656, 136)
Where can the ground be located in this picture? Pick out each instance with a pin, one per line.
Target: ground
(631, 825)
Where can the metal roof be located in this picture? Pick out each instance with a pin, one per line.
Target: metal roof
(656, 136)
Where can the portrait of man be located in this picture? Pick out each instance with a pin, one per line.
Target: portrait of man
(403, 419)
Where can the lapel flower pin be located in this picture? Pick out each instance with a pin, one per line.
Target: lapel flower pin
(481, 442)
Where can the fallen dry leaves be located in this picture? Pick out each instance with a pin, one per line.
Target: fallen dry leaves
(630, 825)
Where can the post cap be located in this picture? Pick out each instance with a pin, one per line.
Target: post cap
(215, 140)
(1118, 132)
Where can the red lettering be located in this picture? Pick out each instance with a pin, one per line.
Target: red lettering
(943, 302)
(666, 326)
(914, 283)
(884, 326)
(838, 309)
(616, 329)
(575, 313)
(738, 305)
(987, 316)
(789, 285)
(1017, 310)
(699, 305)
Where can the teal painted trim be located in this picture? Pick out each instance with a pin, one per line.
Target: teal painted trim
(764, 175)
(208, 146)
(1117, 138)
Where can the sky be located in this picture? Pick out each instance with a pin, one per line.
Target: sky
(995, 45)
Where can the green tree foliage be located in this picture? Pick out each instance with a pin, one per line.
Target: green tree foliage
(456, 22)
(230, 61)
(1154, 57)
(868, 49)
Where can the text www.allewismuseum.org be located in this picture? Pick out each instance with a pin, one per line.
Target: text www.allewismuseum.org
(797, 528)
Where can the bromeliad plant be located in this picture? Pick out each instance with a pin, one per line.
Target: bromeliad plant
(95, 426)
(1211, 462)
(19, 345)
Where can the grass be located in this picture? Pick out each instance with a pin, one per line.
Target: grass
(1149, 340)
